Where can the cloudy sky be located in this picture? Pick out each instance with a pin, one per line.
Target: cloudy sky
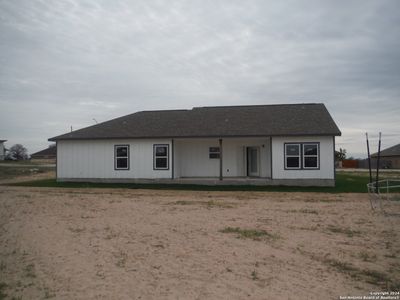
(69, 63)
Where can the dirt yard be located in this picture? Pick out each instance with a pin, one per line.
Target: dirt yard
(144, 244)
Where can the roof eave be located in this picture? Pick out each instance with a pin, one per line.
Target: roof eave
(54, 139)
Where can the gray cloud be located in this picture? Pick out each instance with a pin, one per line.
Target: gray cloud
(67, 62)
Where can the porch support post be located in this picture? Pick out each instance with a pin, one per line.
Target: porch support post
(220, 159)
(172, 158)
(270, 153)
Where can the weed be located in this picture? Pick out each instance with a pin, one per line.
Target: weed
(253, 234)
(208, 204)
(365, 256)
(77, 229)
(394, 286)
(48, 294)
(110, 235)
(121, 259)
(312, 228)
(392, 255)
(304, 211)
(343, 267)
(183, 202)
(323, 200)
(346, 231)
(3, 286)
(370, 276)
(375, 277)
(212, 203)
(309, 211)
(30, 271)
(254, 275)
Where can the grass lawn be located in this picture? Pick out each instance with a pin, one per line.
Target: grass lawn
(345, 183)
(7, 172)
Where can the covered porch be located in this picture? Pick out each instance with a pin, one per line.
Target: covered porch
(213, 160)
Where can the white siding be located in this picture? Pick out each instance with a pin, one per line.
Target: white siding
(192, 157)
(95, 159)
(326, 170)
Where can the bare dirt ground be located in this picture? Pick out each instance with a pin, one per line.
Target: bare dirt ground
(144, 244)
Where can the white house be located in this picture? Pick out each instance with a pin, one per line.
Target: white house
(289, 144)
(2, 149)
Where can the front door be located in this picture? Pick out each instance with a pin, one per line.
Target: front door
(253, 157)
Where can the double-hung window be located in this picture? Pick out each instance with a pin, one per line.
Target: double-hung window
(292, 156)
(301, 156)
(121, 157)
(310, 156)
(214, 152)
(161, 157)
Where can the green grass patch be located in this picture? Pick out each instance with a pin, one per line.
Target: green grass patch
(341, 230)
(304, 211)
(208, 204)
(345, 183)
(370, 276)
(253, 234)
(7, 172)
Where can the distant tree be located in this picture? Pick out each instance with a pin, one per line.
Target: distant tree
(340, 155)
(17, 152)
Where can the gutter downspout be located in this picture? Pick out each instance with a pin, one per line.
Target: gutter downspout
(334, 162)
(56, 161)
(270, 153)
(172, 159)
(220, 159)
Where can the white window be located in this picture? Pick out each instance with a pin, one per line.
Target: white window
(292, 156)
(160, 157)
(214, 152)
(121, 157)
(310, 156)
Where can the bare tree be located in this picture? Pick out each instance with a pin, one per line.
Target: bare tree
(340, 155)
(17, 152)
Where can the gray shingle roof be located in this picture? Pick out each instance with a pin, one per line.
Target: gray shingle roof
(50, 151)
(391, 151)
(219, 121)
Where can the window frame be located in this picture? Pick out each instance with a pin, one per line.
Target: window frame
(214, 152)
(155, 157)
(116, 157)
(313, 155)
(302, 156)
(299, 156)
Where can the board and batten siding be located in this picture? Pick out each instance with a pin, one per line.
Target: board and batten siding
(93, 159)
(326, 159)
(192, 157)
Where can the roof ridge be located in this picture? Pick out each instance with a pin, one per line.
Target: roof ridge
(261, 105)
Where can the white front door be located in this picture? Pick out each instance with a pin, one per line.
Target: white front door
(253, 158)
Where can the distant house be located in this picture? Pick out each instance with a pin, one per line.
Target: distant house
(290, 144)
(389, 157)
(2, 149)
(48, 153)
